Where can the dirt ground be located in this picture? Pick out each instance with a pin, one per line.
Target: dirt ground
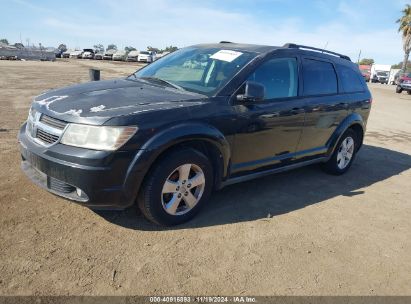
(298, 233)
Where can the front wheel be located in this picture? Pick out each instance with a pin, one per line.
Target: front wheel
(176, 187)
(398, 90)
(344, 154)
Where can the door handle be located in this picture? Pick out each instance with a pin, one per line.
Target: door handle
(343, 104)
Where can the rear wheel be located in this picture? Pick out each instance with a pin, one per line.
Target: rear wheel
(344, 154)
(176, 188)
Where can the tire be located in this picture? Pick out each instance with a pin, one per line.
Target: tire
(334, 165)
(157, 194)
(398, 90)
(409, 92)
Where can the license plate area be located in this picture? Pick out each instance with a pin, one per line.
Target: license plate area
(31, 158)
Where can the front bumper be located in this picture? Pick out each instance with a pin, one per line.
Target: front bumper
(96, 179)
(405, 86)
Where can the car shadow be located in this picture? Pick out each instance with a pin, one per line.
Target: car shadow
(281, 193)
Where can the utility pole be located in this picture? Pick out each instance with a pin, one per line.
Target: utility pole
(359, 56)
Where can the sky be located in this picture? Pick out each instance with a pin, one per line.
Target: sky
(344, 26)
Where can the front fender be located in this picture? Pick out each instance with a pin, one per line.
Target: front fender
(352, 119)
(167, 138)
(186, 132)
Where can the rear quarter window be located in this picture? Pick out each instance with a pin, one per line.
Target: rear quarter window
(319, 77)
(350, 80)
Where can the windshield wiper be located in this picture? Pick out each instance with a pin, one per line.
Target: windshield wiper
(164, 82)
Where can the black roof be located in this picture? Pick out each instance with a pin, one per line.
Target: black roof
(261, 49)
(255, 48)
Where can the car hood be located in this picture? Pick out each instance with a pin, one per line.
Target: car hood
(98, 101)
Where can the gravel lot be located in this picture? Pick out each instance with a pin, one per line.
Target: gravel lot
(298, 233)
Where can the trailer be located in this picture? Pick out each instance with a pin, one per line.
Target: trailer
(27, 54)
(365, 71)
(393, 76)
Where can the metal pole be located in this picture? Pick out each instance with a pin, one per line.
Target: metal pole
(94, 74)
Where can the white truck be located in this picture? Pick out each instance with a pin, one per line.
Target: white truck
(393, 73)
(380, 73)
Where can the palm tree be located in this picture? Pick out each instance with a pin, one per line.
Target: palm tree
(405, 29)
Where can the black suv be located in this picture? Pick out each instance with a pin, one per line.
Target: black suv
(199, 119)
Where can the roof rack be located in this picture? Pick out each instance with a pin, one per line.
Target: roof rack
(297, 46)
(225, 41)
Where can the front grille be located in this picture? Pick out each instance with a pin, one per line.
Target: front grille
(46, 137)
(59, 186)
(52, 122)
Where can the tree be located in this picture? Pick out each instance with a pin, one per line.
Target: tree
(99, 47)
(170, 49)
(112, 47)
(366, 61)
(19, 45)
(62, 47)
(128, 49)
(5, 41)
(399, 65)
(153, 49)
(405, 29)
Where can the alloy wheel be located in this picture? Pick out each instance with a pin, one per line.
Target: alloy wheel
(345, 153)
(183, 189)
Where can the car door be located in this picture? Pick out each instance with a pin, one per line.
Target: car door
(325, 106)
(268, 131)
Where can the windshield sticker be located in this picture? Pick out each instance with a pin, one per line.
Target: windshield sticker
(226, 55)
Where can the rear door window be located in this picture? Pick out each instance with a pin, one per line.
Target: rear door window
(319, 77)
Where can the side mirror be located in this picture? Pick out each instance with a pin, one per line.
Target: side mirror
(253, 92)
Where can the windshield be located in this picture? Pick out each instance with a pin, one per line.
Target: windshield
(200, 70)
(144, 53)
(382, 73)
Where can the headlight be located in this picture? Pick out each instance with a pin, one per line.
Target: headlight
(32, 114)
(97, 137)
(30, 120)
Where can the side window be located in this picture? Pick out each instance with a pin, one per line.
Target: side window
(319, 77)
(279, 77)
(350, 80)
